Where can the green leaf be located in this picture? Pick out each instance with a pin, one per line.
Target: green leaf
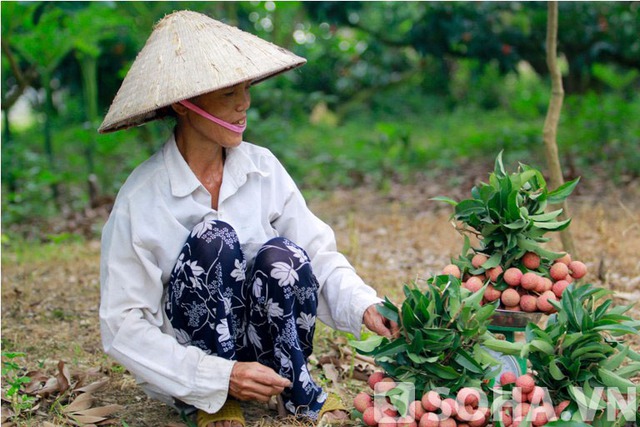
(444, 199)
(531, 246)
(369, 345)
(394, 347)
(409, 319)
(552, 226)
(628, 371)
(611, 379)
(417, 359)
(601, 349)
(617, 329)
(561, 193)
(388, 310)
(555, 371)
(546, 216)
(501, 346)
(498, 167)
(469, 206)
(441, 371)
(543, 346)
(602, 309)
(463, 359)
(493, 261)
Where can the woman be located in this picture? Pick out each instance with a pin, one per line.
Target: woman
(213, 269)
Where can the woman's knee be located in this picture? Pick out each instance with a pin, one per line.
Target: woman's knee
(214, 233)
(280, 249)
(282, 260)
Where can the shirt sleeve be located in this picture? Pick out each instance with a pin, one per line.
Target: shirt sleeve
(343, 296)
(131, 319)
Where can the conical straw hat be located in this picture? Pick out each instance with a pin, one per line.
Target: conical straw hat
(189, 54)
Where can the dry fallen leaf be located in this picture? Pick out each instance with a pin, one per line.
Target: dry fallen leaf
(94, 386)
(80, 403)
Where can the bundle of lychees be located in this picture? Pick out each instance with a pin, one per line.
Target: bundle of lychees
(509, 219)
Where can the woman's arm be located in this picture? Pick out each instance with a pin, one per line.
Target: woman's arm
(133, 324)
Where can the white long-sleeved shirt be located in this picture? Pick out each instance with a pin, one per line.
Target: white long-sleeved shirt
(154, 213)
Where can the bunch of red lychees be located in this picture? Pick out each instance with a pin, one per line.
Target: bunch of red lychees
(528, 287)
(519, 399)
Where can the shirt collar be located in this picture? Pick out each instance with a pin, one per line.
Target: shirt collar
(238, 165)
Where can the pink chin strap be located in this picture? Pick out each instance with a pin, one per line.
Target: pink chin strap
(200, 111)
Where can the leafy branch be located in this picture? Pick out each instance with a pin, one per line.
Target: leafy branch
(444, 331)
(508, 215)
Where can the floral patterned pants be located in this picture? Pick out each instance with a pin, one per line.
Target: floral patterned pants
(266, 316)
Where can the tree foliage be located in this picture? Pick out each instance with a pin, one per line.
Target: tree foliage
(66, 60)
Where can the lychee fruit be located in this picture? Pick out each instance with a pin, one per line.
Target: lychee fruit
(493, 273)
(491, 293)
(362, 401)
(478, 260)
(389, 410)
(529, 281)
(521, 410)
(506, 419)
(541, 415)
(512, 276)
(416, 410)
(510, 297)
(531, 260)
(544, 284)
(387, 421)
(565, 259)
(375, 378)
(558, 271)
(468, 396)
(385, 385)
(543, 301)
(507, 378)
(478, 420)
(452, 270)
(474, 284)
(429, 419)
(449, 407)
(528, 303)
(526, 383)
(448, 422)
(577, 269)
(559, 287)
(517, 395)
(431, 401)
(371, 416)
(406, 421)
(537, 395)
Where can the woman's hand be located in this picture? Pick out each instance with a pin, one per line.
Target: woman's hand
(255, 381)
(379, 324)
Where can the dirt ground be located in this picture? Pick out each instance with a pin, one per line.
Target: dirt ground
(50, 294)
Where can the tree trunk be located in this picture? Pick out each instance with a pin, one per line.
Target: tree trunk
(7, 141)
(89, 67)
(49, 112)
(553, 117)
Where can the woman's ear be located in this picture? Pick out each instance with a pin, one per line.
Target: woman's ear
(180, 109)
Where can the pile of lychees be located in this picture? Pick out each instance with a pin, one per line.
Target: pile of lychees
(528, 287)
(522, 398)
(518, 398)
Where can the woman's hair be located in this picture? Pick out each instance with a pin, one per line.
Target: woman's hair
(165, 112)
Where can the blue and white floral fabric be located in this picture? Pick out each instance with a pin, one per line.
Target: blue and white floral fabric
(266, 316)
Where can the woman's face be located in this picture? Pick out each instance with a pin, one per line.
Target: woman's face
(229, 104)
